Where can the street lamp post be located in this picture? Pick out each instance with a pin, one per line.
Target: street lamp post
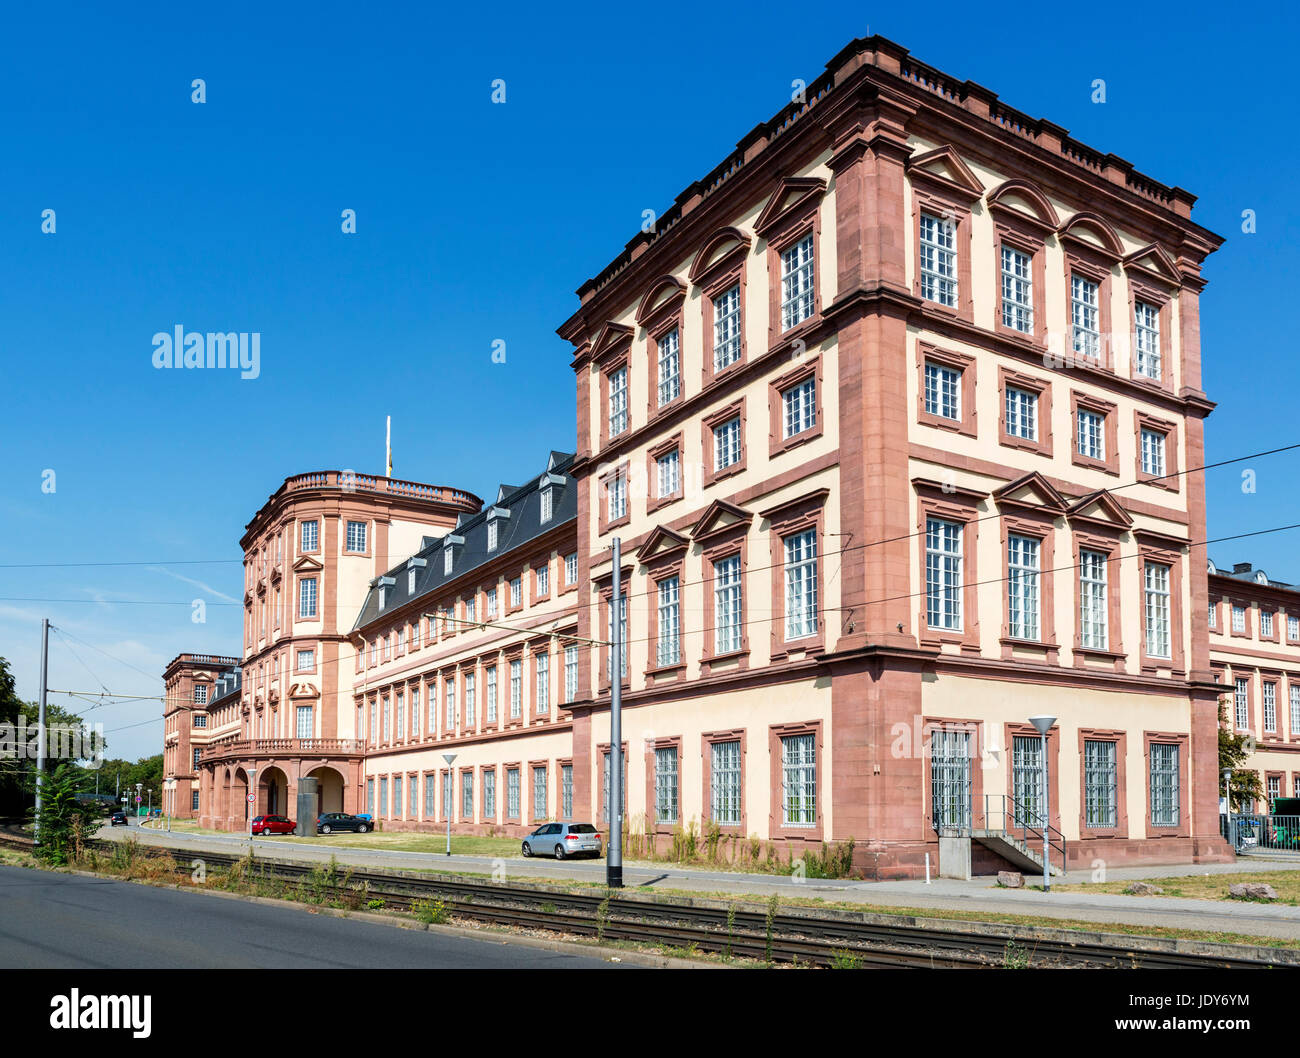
(1229, 830)
(248, 805)
(139, 793)
(450, 758)
(614, 849)
(1043, 724)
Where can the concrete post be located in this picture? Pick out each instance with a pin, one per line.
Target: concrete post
(307, 800)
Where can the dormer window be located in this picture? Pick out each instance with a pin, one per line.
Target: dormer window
(446, 561)
(410, 582)
(547, 505)
(492, 536)
(495, 516)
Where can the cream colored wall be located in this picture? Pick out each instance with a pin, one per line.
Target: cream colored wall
(996, 702)
(756, 710)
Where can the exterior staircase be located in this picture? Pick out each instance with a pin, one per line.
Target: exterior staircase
(1006, 827)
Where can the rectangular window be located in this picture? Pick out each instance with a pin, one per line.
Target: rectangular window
(430, 797)
(800, 584)
(798, 781)
(449, 705)
(516, 688)
(370, 796)
(1239, 619)
(1093, 602)
(397, 796)
(616, 496)
(197, 755)
(467, 795)
(310, 536)
(727, 604)
(410, 582)
(726, 328)
(374, 722)
(516, 591)
(950, 781)
(1295, 710)
(622, 640)
(201, 694)
(548, 506)
(1164, 785)
(200, 720)
(669, 650)
(670, 377)
(356, 536)
(666, 784)
(618, 402)
(571, 569)
(512, 793)
(539, 792)
(800, 404)
(570, 674)
(1269, 701)
(1085, 317)
(1146, 339)
(194, 800)
(490, 794)
(1091, 434)
(543, 684)
(942, 391)
(492, 535)
(491, 603)
(726, 444)
(566, 791)
(1272, 789)
(1022, 413)
(1153, 453)
(471, 686)
(388, 718)
(1293, 629)
(1213, 615)
(939, 260)
(1241, 703)
(399, 707)
(448, 795)
(383, 796)
(668, 466)
(415, 712)
(1266, 623)
(544, 580)
(1157, 609)
(306, 660)
(490, 705)
(471, 609)
(1027, 779)
(724, 778)
(1022, 587)
(797, 283)
(1017, 290)
(943, 574)
(1100, 784)
(307, 597)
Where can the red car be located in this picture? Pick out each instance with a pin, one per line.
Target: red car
(274, 825)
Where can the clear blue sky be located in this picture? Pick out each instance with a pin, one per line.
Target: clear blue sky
(475, 222)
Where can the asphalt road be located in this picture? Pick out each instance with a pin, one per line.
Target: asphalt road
(61, 921)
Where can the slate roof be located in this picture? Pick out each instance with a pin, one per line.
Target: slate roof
(226, 684)
(517, 510)
(1244, 571)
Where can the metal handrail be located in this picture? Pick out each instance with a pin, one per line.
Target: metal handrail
(1029, 823)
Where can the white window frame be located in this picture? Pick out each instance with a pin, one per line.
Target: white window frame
(1017, 289)
(1146, 340)
(1156, 579)
(726, 328)
(1023, 604)
(670, 360)
(942, 391)
(943, 574)
(799, 407)
(618, 418)
(798, 276)
(801, 613)
(938, 265)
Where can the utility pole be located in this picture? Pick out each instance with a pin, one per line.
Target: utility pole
(614, 852)
(40, 726)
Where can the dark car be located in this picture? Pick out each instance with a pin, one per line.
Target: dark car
(118, 819)
(562, 839)
(332, 821)
(274, 825)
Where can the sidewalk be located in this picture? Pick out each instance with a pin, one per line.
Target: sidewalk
(981, 894)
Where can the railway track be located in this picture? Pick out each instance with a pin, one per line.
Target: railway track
(813, 938)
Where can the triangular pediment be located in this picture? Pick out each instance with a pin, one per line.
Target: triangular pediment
(718, 517)
(1033, 491)
(661, 541)
(790, 197)
(307, 564)
(1100, 509)
(943, 166)
(610, 337)
(1154, 261)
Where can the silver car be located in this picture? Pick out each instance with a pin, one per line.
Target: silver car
(563, 839)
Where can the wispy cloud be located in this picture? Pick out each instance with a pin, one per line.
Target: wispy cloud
(197, 583)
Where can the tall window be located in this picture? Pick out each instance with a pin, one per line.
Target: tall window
(669, 468)
(397, 796)
(798, 781)
(670, 378)
(374, 725)
(666, 784)
(356, 536)
(942, 391)
(571, 569)
(943, 574)
(1017, 290)
(1268, 699)
(1238, 618)
(724, 778)
(1084, 316)
(939, 260)
(430, 797)
(1027, 779)
(548, 505)
(310, 536)
(1022, 587)
(492, 535)
(622, 639)
(388, 719)
(471, 687)
(490, 794)
(383, 795)
(370, 796)
(726, 328)
(726, 444)
(490, 706)
(1093, 605)
(1241, 703)
(618, 402)
(1091, 434)
(467, 795)
(616, 493)
(727, 604)
(570, 674)
(399, 707)
(1293, 630)
(1022, 413)
(1146, 339)
(543, 580)
(447, 558)
(566, 791)
(1266, 623)
(801, 584)
(449, 705)
(800, 404)
(200, 694)
(448, 795)
(410, 582)
(415, 712)
(539, 792)
(1295, 709)
(1153, 452)
(543, 683)
(516, 688)
(516, 591)
(669, 647)
(950, 782)
(1100, 784)
(1164, 785)
(512, 793)
(491, 602)
(307, 597)
(797, 283)
(1157, 609)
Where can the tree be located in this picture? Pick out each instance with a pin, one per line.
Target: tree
(61, 814)
(1234, 749)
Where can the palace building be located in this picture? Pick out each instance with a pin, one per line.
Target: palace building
(890, 413)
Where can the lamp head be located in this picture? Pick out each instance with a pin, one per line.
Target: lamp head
(1042, 724)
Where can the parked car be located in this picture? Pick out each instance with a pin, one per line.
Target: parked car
(563, 839)
(118, 818)
(274, 825)
(332, 821)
